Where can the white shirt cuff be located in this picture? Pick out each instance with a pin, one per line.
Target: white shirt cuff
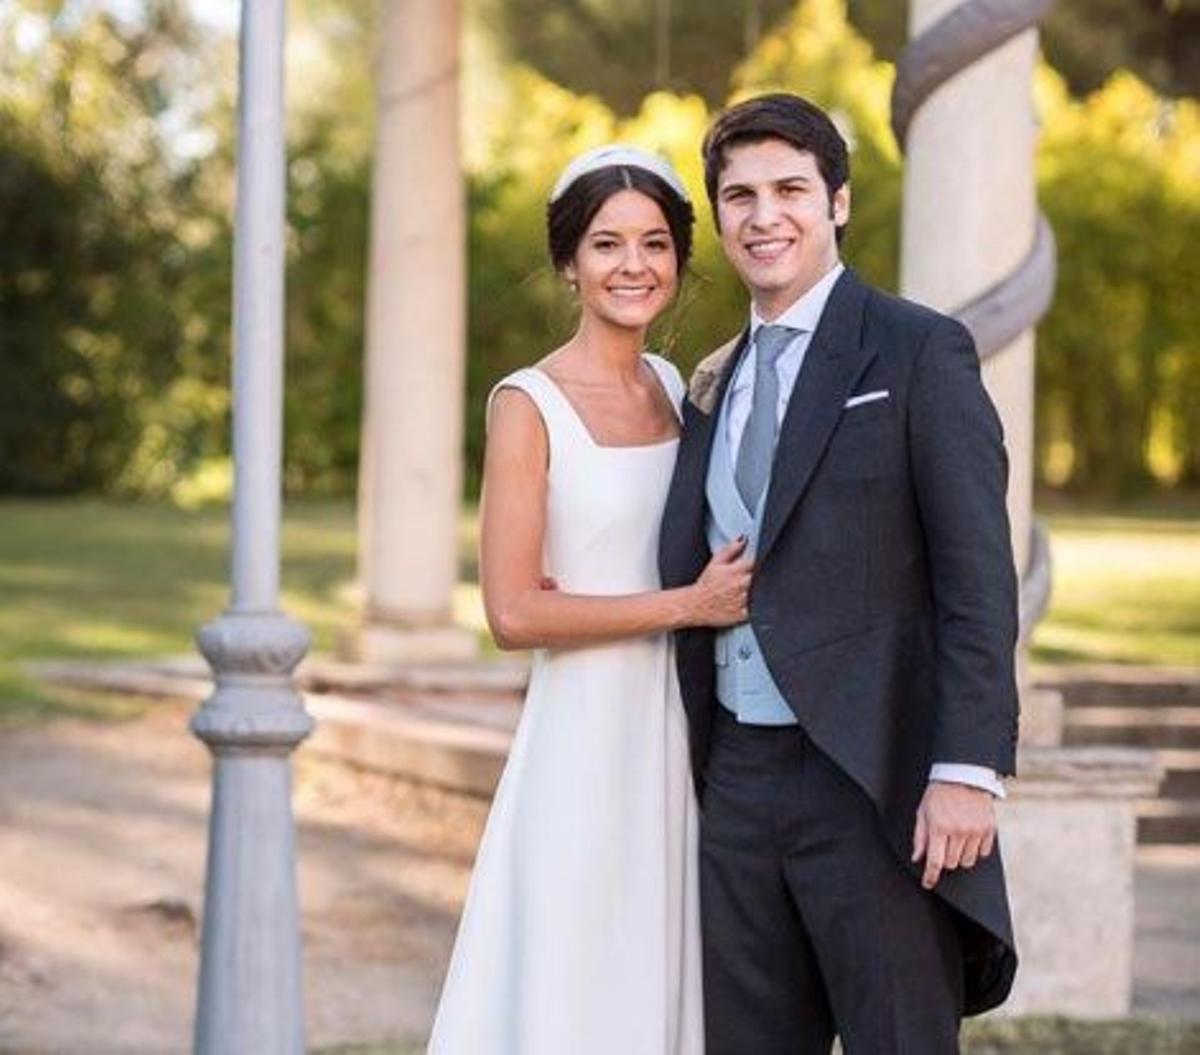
(974, 776)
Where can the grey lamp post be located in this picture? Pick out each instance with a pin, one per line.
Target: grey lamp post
(250, 995)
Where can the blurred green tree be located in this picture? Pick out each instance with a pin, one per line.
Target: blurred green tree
(117, 146)
(105, 385)
(622, 50)
(1119, 353)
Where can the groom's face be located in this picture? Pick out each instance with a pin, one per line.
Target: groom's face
(778, 221)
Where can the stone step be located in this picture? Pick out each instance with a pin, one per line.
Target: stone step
(188, 677)
(506, 675)
(1181, 784)
(1168, 727)
(1179, 759)
(453, 726)
(1112, 685)
(441, 735)
(1131, 696)
(1173, 821)
(427, 744)
(1118, 716)
(1174, 817)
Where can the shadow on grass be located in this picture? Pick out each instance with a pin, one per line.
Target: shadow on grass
(24, 701)
(87, 579)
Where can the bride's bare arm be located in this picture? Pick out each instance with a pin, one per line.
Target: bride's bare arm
(520, 612)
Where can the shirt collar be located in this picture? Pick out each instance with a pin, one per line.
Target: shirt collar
(804, 313)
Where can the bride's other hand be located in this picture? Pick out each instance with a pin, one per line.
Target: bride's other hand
(722, 593)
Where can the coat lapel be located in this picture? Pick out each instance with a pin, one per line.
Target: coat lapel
(682, 542)
(834, 362)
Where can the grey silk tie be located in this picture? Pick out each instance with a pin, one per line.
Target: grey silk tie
(758, 438)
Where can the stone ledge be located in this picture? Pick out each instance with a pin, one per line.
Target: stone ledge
(1109, 684)
(506, 675)
(1086, 773)
(1113, 673)
(440, 736)
(462, 742)
(393, 740)
(188, 676)
(159, 680)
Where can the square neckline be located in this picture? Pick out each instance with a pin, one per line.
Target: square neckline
(583, 425)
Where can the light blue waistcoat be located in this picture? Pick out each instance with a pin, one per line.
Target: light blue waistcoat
(744, 684)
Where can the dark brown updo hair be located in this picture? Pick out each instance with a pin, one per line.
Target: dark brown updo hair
(568, 217)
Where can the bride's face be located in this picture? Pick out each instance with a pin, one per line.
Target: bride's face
(625, 267)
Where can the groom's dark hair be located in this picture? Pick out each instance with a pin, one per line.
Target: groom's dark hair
(784, 116)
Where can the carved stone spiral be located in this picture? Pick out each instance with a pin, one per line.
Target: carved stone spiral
(1013, 305)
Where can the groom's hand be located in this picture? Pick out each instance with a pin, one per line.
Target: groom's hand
(956, 825)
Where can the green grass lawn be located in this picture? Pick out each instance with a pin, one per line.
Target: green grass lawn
(81, 578)
(1126, 586)
(86, 578)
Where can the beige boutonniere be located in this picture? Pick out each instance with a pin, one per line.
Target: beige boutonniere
(706, 378)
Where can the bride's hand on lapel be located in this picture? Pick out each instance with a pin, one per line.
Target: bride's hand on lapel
(721, 595)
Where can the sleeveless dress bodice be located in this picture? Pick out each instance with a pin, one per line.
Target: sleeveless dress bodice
(580, 932)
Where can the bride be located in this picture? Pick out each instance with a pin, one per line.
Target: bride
(580, 934)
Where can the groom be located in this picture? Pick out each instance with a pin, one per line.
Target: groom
(847, 741)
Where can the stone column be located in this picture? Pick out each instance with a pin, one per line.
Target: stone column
(250, 995)
(410, 478)
(969, 219)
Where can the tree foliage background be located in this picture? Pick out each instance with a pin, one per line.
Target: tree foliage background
(116, 176)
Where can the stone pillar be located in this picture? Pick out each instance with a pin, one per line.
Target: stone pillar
(250, 994)
(969, 219)
(410, 478)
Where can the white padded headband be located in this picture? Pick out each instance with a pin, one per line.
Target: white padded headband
(617, 154)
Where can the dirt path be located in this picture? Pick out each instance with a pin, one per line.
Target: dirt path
(102, 833)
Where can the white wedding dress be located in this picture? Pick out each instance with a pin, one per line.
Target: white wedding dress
(580, 934)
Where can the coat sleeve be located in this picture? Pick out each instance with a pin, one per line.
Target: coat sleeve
(960, 472)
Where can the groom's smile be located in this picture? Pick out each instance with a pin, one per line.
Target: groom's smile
(769, 250)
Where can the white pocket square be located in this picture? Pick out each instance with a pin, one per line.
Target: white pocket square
(867, 397)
